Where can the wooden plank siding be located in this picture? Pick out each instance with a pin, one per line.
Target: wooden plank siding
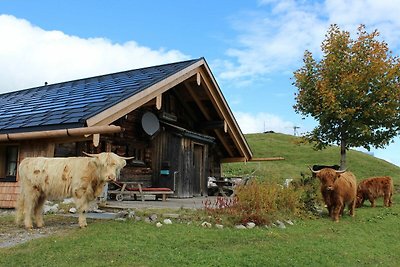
(9, 191)
(8, 194)
(187, 163)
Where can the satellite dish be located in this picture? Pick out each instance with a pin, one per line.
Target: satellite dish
(150, 123)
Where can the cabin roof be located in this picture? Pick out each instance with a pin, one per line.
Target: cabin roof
(70, 104)
(101, 100)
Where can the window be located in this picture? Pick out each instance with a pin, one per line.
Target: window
(8, 163)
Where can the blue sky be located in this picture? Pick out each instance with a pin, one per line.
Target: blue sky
(252, 46)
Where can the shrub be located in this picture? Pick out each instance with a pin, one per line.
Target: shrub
(260, 202)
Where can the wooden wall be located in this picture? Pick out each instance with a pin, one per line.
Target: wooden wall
(9, 191)
(186, 161)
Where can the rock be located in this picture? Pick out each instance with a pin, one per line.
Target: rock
(68, 201)
(289, 222)
(131, 214)
(147, 220)
(206, 225)
(48, 203)
(167, 221)
(287, 182)
(72, 210)
(122, 214)
(240, 226)
(153, 217)
(219, 226)
(93, 206)
(138, 218)
(50, 209)
(280, 224)
(250, 225)
(159, 224)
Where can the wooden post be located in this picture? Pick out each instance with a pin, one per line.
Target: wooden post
(159, 101)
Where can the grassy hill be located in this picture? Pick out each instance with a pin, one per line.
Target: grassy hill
(299, 156)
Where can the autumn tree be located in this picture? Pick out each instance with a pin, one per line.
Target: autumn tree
(353, 91)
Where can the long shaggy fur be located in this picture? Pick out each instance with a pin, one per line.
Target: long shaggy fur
(82, 178)
(373, 188)
(338, 190)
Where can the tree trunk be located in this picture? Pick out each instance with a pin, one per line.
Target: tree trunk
(342, 154)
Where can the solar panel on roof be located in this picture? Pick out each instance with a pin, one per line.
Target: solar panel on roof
(31, 112)
(71, 101)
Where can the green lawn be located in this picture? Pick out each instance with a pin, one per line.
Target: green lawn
(368, 239)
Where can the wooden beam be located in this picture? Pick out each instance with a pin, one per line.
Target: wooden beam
(105, 129)
(96, 140)
(232, 160)
(224, 143)
(198, 78)
(266, 159)
(210, 125)
(208, 117)
(159, 101)
(198, 102)
(188, 110)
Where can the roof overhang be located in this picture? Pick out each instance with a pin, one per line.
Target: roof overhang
(200, 71)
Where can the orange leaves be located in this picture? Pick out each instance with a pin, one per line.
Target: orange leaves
(355, 83)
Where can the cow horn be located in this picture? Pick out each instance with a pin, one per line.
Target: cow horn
(311, 169)
(90, 155)
(126, 158)
(341, 171)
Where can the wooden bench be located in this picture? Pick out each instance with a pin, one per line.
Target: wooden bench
(136, 188)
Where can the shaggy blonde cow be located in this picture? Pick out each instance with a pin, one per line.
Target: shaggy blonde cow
(82, 178)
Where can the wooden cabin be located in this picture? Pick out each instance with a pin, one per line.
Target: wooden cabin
(172, 118)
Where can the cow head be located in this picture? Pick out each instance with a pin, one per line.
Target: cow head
(109, 165)
(359, 200)
(327, 177)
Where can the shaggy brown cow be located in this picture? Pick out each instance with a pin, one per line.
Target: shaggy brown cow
(338, 188)
(375, 187)
(82, 178)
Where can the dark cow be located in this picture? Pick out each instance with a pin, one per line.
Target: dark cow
(338, 188)
(375, 187)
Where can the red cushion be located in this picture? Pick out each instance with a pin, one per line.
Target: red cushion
(155, 189)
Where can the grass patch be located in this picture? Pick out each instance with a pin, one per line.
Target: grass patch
(368, 239)
(353, 241)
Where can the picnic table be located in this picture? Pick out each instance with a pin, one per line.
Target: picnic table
(133, 189)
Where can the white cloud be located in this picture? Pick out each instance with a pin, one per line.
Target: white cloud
(261, 122)
(274, 38)
(31, 56)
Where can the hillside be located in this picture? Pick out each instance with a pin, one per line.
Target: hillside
(299, 156)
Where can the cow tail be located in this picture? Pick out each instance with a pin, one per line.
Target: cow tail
(19, 213)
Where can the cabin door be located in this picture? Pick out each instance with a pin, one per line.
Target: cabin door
(198, 172)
